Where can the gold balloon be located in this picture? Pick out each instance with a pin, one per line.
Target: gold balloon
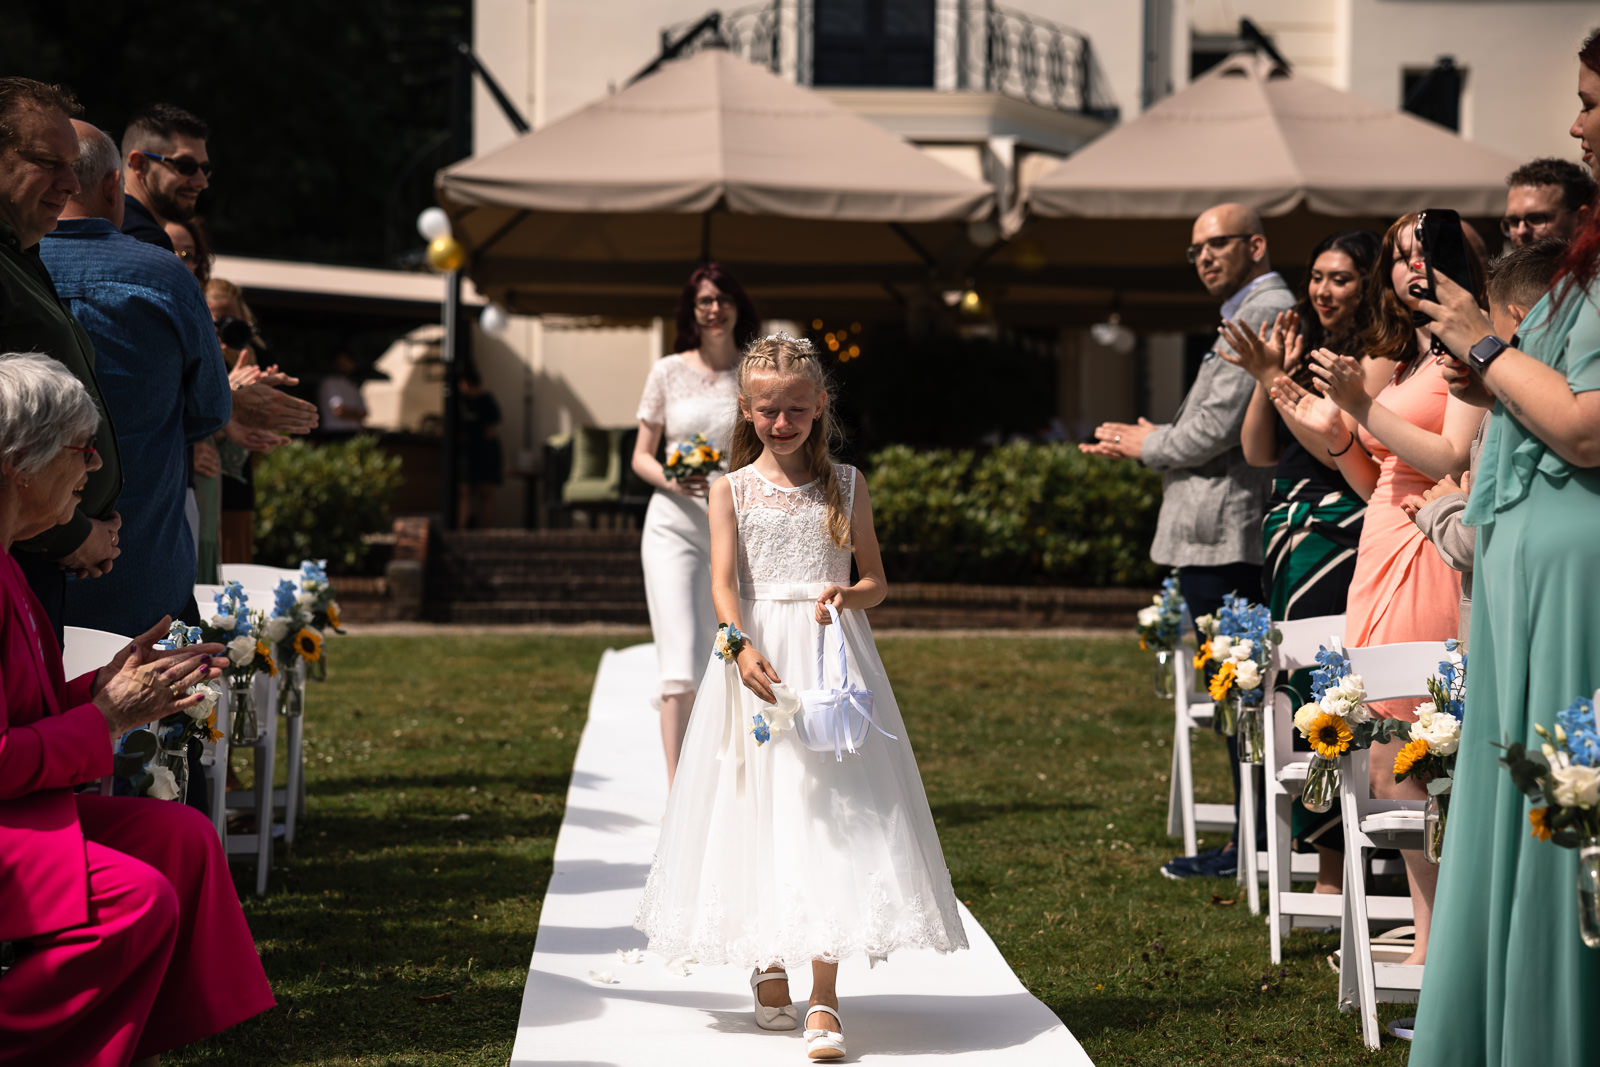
(446, 253)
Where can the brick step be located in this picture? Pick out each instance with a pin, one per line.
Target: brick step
(536, 562)
(539, 540)
(584, 587)
(554, 611)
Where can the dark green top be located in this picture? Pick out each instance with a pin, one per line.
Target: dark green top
(33, 319)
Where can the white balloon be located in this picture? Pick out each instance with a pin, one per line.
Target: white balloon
(433, 222)
(494, 319)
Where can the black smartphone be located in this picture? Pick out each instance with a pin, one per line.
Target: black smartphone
(1443, 248)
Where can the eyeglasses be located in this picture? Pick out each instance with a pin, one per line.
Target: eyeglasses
(712, 301)
(1216, 244)
(1536, 221)
(89, 450)
(183, 254)
(183, 165)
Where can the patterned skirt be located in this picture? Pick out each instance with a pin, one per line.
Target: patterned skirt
(1309, 540)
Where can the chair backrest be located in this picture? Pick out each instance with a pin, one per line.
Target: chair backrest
(1394, 672)
(1388, 672)
(1296, 650)
(257, 575)
(84, 650)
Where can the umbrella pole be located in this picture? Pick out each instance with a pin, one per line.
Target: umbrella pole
(452, 377)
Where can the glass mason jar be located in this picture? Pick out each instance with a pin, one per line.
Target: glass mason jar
(1434, 813)
(1589, 892)
(1225, 716)
(1252, 730)
(175, 758)
(246, 732)
(1322, 785)
(1165, 676)
(290, 691)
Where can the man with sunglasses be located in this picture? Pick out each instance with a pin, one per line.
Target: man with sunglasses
(165, 169)
(1546, 198)
(1212, 500)
(38, 149)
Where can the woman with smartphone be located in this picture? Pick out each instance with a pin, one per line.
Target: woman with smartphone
(1400, 441)
(1511, 981)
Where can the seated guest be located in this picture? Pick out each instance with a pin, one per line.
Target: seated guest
(118, 913)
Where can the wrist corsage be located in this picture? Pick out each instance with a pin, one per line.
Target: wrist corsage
(730, 642)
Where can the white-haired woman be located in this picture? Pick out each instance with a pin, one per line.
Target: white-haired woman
(119, 923)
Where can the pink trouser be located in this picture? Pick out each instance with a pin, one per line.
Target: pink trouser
(165, 959)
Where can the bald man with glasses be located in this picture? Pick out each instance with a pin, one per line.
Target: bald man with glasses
(1212, 500)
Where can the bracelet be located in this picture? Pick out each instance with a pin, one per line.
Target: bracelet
(1346, 447)
(730, 642)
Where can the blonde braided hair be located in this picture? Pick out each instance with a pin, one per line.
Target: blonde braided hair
(793, 357)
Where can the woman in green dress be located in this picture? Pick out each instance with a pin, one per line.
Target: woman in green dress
(1509, 980)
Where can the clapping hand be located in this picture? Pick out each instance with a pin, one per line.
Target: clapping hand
(1339, 378)
(142, 683)
(1119, 440)
(1316, 413)
(1266, 355)
(1444, 487)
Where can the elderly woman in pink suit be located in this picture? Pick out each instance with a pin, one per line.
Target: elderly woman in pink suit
(122, 928)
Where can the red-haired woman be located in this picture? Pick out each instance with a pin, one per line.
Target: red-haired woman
(1510, 981)
(691, 391)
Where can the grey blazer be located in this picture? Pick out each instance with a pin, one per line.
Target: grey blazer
(1212, 501)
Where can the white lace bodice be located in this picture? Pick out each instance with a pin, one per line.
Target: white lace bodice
(783, 533)
(684, 401)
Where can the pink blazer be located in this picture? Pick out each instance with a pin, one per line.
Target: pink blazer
(51, 739)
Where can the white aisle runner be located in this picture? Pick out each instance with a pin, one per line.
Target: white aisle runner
(918, 1008)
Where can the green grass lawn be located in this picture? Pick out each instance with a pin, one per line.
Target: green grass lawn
(399, 929)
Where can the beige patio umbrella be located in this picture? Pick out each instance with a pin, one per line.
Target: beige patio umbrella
(1310, 158)
(608, 210)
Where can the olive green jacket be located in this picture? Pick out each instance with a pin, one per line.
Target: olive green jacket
(33, 319)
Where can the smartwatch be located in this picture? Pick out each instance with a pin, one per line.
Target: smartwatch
(1485, 352)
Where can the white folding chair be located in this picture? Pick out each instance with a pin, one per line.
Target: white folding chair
(291, 801)
(1192, 710)
(1285, 776)
(261, 798)
(1389, 672)
(84, 650)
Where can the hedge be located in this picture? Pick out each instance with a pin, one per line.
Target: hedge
(1019, 514)
(316, 502)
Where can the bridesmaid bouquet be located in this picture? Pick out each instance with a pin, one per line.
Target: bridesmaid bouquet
(695, 457)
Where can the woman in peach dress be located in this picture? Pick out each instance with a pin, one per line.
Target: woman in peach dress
(1389, 446)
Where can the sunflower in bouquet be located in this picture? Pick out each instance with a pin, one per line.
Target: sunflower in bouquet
(1239, 647)
(1563, 777)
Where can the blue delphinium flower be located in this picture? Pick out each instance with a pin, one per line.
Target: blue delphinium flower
(1331, 666)
(283, 598)
(760, 729)
(1582, 738)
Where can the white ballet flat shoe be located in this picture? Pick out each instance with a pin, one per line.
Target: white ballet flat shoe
(784, 1017)
(825, 1044)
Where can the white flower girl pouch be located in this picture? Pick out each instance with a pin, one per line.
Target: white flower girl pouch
(837, 718)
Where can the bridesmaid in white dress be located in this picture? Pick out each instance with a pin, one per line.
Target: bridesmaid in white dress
(691, 391)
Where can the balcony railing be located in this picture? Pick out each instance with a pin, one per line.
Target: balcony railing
(977, 46)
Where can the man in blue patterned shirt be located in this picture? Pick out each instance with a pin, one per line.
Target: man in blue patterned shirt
(164, 381)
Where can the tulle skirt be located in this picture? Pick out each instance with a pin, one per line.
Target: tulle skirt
(776, 854)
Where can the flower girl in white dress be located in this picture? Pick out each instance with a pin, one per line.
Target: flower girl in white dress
(773, 854)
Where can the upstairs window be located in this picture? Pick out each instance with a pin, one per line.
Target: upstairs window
(873, 43)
